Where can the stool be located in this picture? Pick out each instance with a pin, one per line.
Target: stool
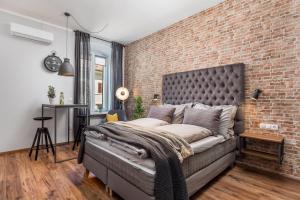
(82, 124)
(39, 135)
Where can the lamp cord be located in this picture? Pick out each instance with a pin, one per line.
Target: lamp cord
(67, 26)
(85, 29)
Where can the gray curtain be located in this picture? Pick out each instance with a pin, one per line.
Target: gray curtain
(117, 71)
(82, 73)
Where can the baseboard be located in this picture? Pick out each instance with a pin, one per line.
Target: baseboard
(27, 149)
(261, 169)
(14, 151)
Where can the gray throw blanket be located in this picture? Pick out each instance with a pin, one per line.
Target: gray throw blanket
(141, 153)
(169, 179)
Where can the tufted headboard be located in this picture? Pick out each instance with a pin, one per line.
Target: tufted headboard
(223, 85)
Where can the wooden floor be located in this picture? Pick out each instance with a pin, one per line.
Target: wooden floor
(22, 178)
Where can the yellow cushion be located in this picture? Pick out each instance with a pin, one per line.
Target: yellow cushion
(112, 118)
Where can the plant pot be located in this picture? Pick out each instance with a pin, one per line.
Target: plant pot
(52, 101)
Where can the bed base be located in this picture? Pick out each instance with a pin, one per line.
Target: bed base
(126, 190)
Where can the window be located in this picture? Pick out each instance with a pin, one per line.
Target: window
(100, 90)
(98, 83)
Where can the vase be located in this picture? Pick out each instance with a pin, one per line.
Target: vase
(52, 101)
(61, 99)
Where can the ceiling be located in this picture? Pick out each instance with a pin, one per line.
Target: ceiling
(127, 20)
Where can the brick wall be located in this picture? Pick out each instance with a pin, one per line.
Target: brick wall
(263, 34)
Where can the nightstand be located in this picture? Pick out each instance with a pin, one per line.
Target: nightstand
(272, 139)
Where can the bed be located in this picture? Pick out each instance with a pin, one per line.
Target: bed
(133, 178)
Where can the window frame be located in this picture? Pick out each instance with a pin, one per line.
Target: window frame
(105, 84)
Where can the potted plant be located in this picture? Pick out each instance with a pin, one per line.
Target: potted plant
(51, 94)
(139, 109)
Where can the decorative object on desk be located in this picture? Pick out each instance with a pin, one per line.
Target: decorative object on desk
(51, 94)
(122, 94)
(52, 62)
(61, 98)
(139, 109)
(256, 94)
(66, 69)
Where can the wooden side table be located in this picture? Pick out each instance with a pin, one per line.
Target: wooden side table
(274, 139)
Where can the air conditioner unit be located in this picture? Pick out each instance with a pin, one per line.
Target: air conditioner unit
(31, 33)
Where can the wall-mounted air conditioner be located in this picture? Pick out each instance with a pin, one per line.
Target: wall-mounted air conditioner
(31, 33)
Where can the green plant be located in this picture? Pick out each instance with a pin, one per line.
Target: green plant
(51, 92)
(139, 109)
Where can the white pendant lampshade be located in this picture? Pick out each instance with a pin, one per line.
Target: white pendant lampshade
(122, 93)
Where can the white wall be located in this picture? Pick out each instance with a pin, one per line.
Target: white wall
(24, 82)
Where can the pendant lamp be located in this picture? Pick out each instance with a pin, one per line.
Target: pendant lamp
(66, 69)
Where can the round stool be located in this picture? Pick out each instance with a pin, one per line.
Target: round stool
(42, 131)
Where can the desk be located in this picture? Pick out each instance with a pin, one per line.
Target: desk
(66, 106)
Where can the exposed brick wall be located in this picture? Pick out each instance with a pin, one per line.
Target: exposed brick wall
(263, 34)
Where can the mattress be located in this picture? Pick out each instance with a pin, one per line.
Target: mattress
(141, 172)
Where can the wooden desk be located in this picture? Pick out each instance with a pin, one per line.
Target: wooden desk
(66, 106)
(274, 139)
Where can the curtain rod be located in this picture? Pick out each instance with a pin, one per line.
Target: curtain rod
(101, 39)
(98, 38)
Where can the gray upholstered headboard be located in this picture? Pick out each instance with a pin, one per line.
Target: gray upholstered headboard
(223, 85)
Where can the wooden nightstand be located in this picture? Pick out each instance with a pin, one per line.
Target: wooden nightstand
(274, 139)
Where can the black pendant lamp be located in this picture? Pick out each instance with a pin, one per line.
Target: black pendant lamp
(66, 69)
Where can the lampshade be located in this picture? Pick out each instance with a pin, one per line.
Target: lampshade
(66, 69)
(122, 93)
(255, 94)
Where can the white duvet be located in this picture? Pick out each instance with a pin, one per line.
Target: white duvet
(199, 138)
(189, 133)
(148, 122)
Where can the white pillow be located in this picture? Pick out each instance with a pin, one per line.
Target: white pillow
(226, 118)
(179, 112)
(190, 133)
(148, 122)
